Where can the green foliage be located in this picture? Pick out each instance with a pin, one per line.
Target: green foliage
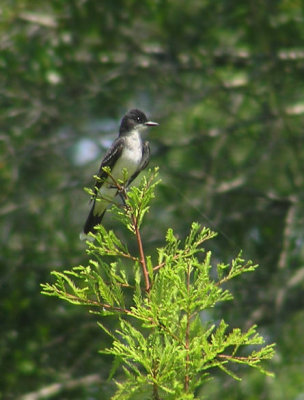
(165, 349)
(225, 80)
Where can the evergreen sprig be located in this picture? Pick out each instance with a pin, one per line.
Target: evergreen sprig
(165, 349)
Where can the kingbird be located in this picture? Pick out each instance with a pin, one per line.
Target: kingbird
(128, 152)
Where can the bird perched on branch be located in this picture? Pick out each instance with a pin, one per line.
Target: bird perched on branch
(128, 152)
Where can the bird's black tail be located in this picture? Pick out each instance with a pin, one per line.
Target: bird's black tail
(92, 220)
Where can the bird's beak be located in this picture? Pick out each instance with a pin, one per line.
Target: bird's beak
(151, 123)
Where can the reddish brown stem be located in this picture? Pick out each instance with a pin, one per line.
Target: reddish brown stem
(141, 255)
(187, 338)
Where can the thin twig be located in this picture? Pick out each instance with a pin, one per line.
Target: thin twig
(162, 326)
(122, 254)
(161, 265)
(185, 254)
(142, 254)
(230, 276)
(94, 303)
(187, 336)
(238, 358)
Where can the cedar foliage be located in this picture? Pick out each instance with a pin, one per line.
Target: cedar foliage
(165, 348)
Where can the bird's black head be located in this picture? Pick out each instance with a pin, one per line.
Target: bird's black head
(134, 119)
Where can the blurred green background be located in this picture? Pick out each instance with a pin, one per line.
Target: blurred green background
(225, 79)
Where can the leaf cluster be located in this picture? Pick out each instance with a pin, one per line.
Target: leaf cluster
(165, 349)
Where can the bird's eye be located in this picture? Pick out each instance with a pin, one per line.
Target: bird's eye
(138, 119)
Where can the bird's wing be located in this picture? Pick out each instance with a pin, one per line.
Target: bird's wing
(110, 158)
(146, 156)
(144, 161)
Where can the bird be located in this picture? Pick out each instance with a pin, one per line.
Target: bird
(128, 152)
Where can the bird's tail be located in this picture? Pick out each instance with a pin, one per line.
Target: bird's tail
(93, 220)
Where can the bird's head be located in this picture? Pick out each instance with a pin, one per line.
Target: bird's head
(135, 119)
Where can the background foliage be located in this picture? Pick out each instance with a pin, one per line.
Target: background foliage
(225, 80)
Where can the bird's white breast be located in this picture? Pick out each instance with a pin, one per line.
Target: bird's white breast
(130, 157)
